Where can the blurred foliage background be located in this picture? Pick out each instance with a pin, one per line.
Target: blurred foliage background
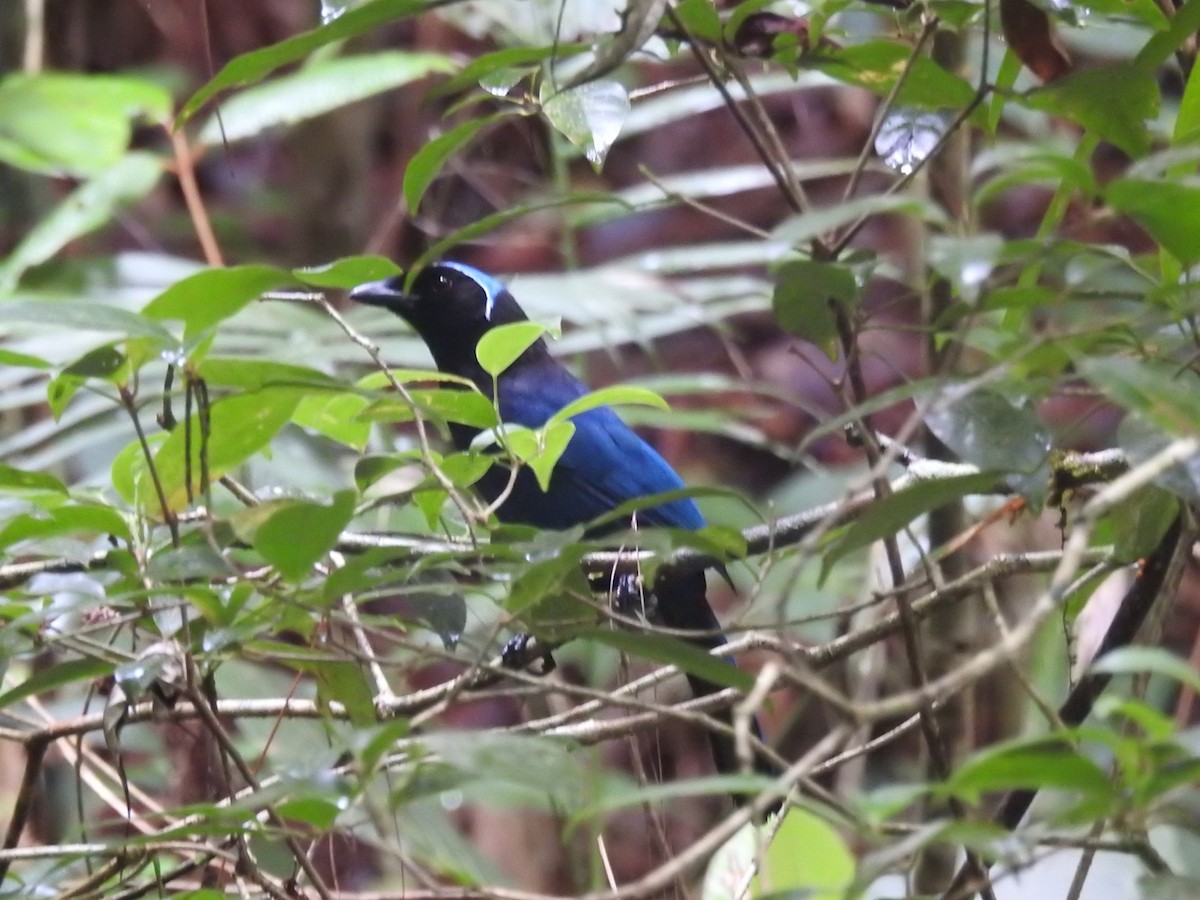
(248, 634)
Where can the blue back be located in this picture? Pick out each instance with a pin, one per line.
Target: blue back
(605, 464)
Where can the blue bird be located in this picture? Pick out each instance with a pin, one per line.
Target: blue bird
(451, 306)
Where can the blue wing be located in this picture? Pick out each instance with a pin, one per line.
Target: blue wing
(604, 466)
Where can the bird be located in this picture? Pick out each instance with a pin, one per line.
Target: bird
(606, 464)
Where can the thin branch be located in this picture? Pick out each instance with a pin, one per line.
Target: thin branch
(1050, 600)
(201, 704)
(413, 703)
(35, 753)
(981, 92)
(927, 31)
(186, 171)
(168, 513)
(465, 510)
(766, 538)
(747, 126)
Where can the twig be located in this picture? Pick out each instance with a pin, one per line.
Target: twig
(469, 515)
(409, 704)
(186, 171)
(929, 26)
(739, 115)
(35, 753)
(981, 92)
(1050, 599)
(201, 704)
(168, 513)
(760, 539)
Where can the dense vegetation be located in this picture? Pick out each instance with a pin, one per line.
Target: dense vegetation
(904, 291)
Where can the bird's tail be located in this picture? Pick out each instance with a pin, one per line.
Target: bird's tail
(682, 604)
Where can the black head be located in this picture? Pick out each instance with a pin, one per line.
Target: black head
(451, 306)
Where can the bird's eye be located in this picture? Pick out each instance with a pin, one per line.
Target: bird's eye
(443, 281)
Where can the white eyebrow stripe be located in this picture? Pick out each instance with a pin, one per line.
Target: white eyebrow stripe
(491, 287)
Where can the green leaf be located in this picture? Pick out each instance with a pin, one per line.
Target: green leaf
(617, 395)
(427, 162)
(376, 381)
(700, 18)
(1155, 660)
(486, 64)
(541, 449)
(1147, 12)
(105, 362)
(541, 593)
(1035, 766)
(336, 416)
(818, 222)
(14, 479)
(590, 116)
(1142, 439)
(1141, 521)
(1187, 121)
(23, 360)
(240, 425)
(1019, 164)
(128, 466)
(57, 676)
(955, 13)
(301, 532)
(623, 795)
(1152, 723)
(447, 404)
(1169, 886)
(1114, 102)
(430, 501)
(257, 64)
(348, 272)
(56, 123)
(464, 469)
(876, 66)
(499, 347)
(804, 292)
(1182, 27)
(340, 681)
(807, 857)
(188, 563)
(1159, 391)
(985, 429)
(540, 765)
(966, 260)
(256, 374)
(213, 295)
(890, 515)
(1166, 209)
(373, 742)
(371, 468)
(316, 812)
(672, 651)
(85, 315)
(318, 88)
(73, 519)
(85, 209)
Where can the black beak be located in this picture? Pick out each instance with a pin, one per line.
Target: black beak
(383, 293)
